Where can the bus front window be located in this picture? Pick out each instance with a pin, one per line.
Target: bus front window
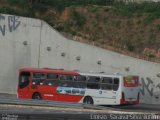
(24, 79)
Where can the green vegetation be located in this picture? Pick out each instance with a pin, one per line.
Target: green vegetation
(158, 26)
(94, 9)
(77, 18)
(6, 10)
(130, 46)
(150, 18)
(68, 29)
(22, 3)
(116, 23)
(128, 9)
(66, 25)
(151, 38)
(124, 26)
(61, 4)
(131, 9)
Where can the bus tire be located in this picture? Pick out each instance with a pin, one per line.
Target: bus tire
(36, 96)
(88, 100)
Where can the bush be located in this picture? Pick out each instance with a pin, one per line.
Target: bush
(28, 12)
(150, 53)
(149, 19)
(158, 26)
(116, 24)
(6, 10)
(40, 7)
(77, 19)
(152, 38)
(61, 4)
(66, 26)
(130, 46)
(136, 8)
(94, 9)
(47, 19)
(22, 3)
(151, 56)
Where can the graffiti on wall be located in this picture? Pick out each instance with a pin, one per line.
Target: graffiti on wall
(12, 23)
(149, 87)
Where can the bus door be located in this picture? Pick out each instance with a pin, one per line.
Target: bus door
(23, 86)
(109, 87)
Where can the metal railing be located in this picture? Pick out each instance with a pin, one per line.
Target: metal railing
(47, 103)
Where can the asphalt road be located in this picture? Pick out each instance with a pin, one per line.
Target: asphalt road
(149, 108)
(29, 113)
(8, 113)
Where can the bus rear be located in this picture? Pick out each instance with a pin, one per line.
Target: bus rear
(130, 90)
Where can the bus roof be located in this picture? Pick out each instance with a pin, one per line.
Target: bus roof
(100, 74)
(62, 71)
(49, 70)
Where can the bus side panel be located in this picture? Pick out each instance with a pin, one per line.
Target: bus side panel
(104, 97)
(24, 95)
(68, 98)
(46, 92)
(50, 93)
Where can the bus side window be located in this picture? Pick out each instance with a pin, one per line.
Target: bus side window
(69, 77)
(38, 78)
(80, 78)
(52, 79)
(52, 76)
(79, 82)
(107, 80)
(66, 77)
(93, 82)
(106, 83)
(93, 79)
(115, 84)
(24, 79)
(65, 81)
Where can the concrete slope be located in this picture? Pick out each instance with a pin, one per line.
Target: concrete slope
(26, 42)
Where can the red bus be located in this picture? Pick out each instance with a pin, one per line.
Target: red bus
(81, 87)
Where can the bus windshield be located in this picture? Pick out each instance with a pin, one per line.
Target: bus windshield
(24, 79)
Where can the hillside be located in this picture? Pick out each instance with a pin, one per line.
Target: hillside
(132, 29)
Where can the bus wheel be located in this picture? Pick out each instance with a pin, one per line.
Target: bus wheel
(36, 96)
(88, 100)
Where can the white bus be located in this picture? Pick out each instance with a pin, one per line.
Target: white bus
(111, 89)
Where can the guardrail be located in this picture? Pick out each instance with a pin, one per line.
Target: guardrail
(47, 103)
(58, 104)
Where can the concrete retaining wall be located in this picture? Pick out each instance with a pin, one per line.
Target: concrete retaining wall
(33, 43)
